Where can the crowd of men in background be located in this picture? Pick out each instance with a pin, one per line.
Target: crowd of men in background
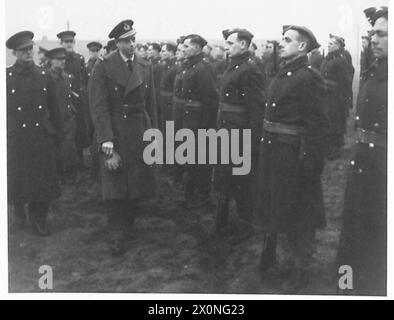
(295, 100)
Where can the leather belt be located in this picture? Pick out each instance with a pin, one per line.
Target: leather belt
(193, 104)
(280, 128)
(231, 107)
(371, 137)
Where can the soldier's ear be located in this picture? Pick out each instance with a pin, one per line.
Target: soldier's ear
(303, 46)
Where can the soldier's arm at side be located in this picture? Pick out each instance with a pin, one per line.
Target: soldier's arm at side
(99, 105)
(151, 106)
(208, 96)
(316, 123)
(253, 87)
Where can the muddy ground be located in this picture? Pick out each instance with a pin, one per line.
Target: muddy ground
(172, 251)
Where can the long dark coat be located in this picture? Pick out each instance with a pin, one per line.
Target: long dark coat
(123, 106)
(334, 70)
(364, 233)
(242, 86)
(75, 65)
(67, 153)
(198, 85)
(33, 129)
(289, 193)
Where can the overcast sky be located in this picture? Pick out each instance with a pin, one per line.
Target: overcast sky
(168, 19)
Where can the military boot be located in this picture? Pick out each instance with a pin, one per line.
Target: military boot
(268, 254)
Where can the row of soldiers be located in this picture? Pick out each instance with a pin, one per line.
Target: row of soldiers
(290, 117)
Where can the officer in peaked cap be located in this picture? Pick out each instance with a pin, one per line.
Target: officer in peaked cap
(363, 241)
(94, 52)
(75, 65)
(33, 130)
(289, 198)
(241, 106)
(123, 106)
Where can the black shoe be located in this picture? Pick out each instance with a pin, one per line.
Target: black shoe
(268, 255)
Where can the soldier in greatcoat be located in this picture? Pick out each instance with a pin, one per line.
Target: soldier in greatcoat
(34, 129)
(241, 107)
(363, 242)
(289, 194)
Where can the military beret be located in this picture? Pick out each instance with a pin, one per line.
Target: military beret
(374, 13)
(94, 45)
(66, 35)
(197, 39)
(156, 46)
(122, 30)
(305, 32)
(42, 50)
(111, 45)
(170, 45)
(57, 53)
(339, 40)
(20, 40)
(241, 32)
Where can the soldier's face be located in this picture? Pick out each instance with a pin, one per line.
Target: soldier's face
(41, 57)
(290, 46)
(233, 46)
(166, 54)
(142, 52)
(68, 44)
(180, 55)
(190, 49)
(94, 54)
(24, 55)
(152, 53)
(333, 45)
(126, 46)
(58, 64)
(270, 48)
(379, 39)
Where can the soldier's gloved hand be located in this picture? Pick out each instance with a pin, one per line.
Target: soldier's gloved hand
(107, 148)
(113, 163)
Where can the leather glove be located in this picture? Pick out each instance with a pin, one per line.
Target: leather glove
(113, 162)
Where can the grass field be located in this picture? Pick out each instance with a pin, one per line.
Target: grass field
(171, 251)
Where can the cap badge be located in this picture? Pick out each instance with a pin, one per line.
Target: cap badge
(126, 27)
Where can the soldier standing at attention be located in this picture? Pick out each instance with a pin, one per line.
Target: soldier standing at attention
(201, 105)
(241, 107)
(178, 105)
(123, 106)
(168, 50)
(94, 53)
(67, 152)
(75, 65)
(334, 71)
(33, 130)
(363, 242)
(289, 198)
